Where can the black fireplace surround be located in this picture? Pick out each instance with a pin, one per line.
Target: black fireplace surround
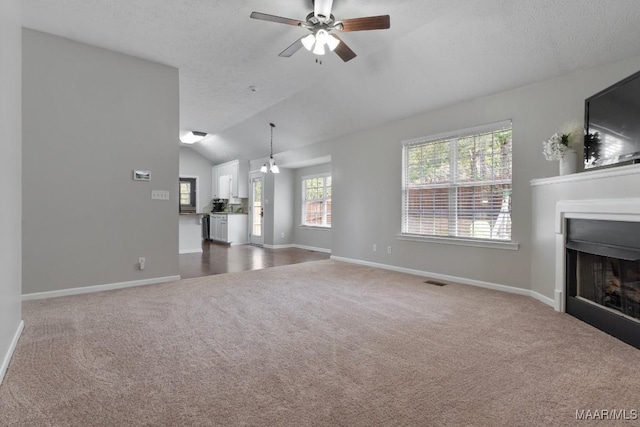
(603, 276)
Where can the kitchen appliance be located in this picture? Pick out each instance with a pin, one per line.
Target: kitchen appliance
(206, 226)
(218, 205)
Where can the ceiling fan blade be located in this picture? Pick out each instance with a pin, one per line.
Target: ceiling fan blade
(322, 8)
(381, 22)
(343, 51)
(273, 18)
(295, 46)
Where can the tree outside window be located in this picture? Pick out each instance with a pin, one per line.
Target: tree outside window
(459, 186)
(316, 201)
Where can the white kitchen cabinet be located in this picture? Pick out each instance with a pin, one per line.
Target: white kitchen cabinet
(215, 183)
(224, 185)
(237, 183)
(229, 228)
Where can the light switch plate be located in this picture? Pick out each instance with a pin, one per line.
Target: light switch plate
(159, 195)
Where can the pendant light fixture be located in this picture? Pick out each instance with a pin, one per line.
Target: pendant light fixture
(270, 166)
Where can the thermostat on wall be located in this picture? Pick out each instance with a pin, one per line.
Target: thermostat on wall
(140, 175)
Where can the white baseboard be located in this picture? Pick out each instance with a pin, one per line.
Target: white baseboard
(545, 300)
(462, 280)
(12, 347)
(277, 246)
(98, 288)
(312, 248)
(293, 245)
(190, 251)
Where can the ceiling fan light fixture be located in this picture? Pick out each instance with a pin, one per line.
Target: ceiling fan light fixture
(332, 42)
(319, 48)
(308, 41)
(264, 169)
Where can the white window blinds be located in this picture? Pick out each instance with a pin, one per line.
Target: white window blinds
(316, 201)
(459, 184)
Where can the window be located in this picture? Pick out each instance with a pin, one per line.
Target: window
(316, 201)
(187, 194)
(459, 185)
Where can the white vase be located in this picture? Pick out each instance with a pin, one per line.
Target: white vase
(569, 162)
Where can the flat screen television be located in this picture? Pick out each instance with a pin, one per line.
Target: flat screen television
(612, 125)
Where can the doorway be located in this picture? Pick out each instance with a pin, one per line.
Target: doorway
(256, 209)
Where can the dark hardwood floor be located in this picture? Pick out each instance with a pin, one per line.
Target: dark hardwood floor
(218, 258)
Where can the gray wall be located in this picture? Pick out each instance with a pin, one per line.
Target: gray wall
(278, 209)
(283, 207)
(10, 164)
(307, 236)
(194, 164)
(90, 117)
(367, 176)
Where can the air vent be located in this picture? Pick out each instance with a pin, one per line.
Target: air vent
(434, 282)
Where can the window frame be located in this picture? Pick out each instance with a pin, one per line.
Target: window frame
(192, 207)
(451, 184)
(303, 185)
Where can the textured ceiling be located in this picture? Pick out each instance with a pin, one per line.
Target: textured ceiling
(437, 52)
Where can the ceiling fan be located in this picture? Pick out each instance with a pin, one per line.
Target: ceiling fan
(321, 23)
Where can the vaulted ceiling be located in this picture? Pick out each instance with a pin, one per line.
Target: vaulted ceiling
(436, 53)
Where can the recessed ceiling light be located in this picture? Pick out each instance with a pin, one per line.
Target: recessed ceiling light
(193, 137)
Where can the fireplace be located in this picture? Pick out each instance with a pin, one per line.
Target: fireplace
(603, 275)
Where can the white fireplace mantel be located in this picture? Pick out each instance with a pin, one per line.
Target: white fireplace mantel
(599, 209)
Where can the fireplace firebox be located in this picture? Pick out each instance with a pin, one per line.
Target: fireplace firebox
(603, 276)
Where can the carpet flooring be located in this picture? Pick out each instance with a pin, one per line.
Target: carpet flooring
(313, 344)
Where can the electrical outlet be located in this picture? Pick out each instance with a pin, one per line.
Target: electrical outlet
(389, 249)
(375, 247)
(282, 235)
(141, 263)
(159, 195)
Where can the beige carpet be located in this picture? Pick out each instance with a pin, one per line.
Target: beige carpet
(320, 343)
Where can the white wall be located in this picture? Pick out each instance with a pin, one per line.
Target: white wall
(366, 176)
(194, 164)
(306, 236)
(545, 197)
(10, 176)
(90, 117)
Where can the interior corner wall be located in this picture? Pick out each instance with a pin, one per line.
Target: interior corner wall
(283, 207)
(193, 164)
(10, 176)
(304, 236)
(278, 208)
(268, 219)
(367, 175)
(90, 117)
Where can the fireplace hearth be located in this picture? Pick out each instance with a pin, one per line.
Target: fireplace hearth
(603, 275)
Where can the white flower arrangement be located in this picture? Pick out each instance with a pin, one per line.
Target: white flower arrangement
(555, 147)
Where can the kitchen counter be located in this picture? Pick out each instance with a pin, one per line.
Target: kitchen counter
(228, 213)
(190, 232)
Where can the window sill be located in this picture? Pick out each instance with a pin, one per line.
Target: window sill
(492, 244)
(315, 227)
